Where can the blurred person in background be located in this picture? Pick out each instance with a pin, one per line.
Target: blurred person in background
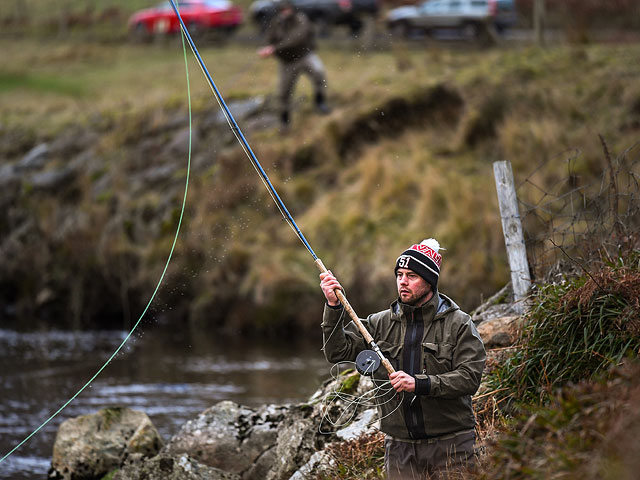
(291, 38)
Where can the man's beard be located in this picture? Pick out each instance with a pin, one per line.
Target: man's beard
(415, 301)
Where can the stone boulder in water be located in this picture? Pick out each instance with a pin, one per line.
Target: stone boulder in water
(90, 446)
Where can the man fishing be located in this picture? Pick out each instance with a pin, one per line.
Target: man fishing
(438, 357)
(291, 39)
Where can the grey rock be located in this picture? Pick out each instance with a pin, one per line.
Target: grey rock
(171, 467)
(156, 174)
(319, 464)
(295, 445)
(53, 180)
(93, 445)
(73, 141)
(229, 436)
(179, 145)
(35, 158)
(499, 332)
(240, 109)
(10, 185)
(498, 311)
(500, 304)
(366, 422)
(275, 442)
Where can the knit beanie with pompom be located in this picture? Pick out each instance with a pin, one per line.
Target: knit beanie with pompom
(423, 258)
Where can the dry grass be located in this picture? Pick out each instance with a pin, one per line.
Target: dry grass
(362, 458)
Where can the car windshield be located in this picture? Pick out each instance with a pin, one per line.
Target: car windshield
(218, 3)
(432, 6)
(164, 6)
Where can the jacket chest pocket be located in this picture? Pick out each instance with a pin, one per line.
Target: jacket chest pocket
(438, 358)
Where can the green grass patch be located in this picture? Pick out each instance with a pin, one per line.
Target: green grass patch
(41, 83)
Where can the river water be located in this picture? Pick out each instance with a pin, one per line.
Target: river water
(170, 376)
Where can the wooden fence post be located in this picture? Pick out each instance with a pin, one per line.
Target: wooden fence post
(512, 229)
(539, 20)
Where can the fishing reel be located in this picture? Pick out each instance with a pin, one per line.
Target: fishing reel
(367, 362)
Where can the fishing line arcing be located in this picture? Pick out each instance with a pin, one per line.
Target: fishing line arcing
(164, 271)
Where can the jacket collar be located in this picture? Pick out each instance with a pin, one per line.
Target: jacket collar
(437, 304)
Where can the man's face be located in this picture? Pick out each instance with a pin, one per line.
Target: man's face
(412, 288)
(286, 11)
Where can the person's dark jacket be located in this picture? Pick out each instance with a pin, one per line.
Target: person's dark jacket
(292, 36)
(437, 343)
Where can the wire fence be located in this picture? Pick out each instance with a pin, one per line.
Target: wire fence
(584, 218)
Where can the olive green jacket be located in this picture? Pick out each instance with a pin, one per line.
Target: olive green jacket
(437, 343)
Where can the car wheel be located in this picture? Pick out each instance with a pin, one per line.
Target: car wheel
(471, 31)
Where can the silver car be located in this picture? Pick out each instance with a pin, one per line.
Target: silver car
(472, 18)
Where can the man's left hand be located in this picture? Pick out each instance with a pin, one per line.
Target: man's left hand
(402, 382)
(266, 51)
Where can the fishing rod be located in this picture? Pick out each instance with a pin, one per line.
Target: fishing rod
(368, 360)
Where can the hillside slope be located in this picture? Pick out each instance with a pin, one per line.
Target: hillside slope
(93, 176)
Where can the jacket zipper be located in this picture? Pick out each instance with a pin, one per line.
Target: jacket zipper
(414, 331)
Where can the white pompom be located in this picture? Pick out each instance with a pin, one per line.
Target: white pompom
(432, 243)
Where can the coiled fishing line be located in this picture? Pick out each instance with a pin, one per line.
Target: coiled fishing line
(351, 404)
(369, 399)
(164, 271)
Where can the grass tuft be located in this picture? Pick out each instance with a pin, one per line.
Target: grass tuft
(576, 329)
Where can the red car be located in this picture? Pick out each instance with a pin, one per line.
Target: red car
(200, 17)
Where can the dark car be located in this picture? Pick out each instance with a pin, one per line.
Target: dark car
(200, 17)
(323, 13)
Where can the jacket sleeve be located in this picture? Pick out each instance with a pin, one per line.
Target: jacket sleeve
(341, 339)
(467, 363)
